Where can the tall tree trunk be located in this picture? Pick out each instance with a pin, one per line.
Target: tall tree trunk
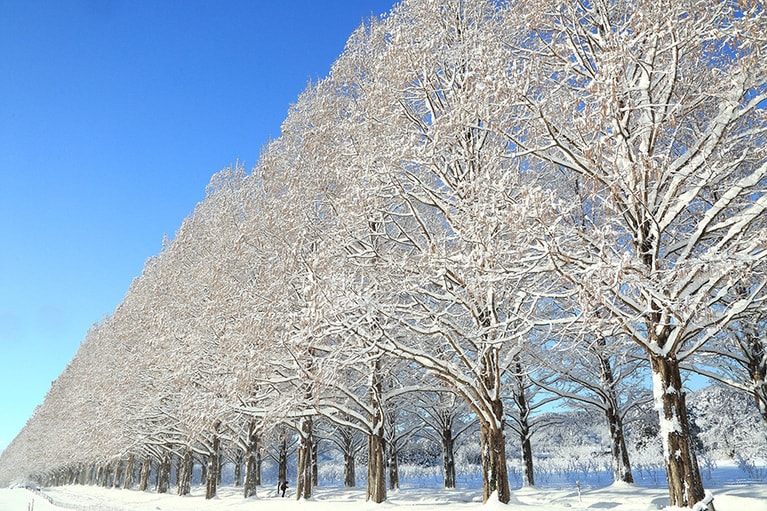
(90, 475)
(523, 408)
(119, 474)
(211, 482)
(493, 447)
(213, 465)
(282, 459)
(349, 450)
(376, 489)
(238, 457)
(176, 474)
(392, 465)
(492, 439)
(448, 457)
(620, 455)
(83, 476)
(684, 482)
(304, 472)
(105, 475)
(204, 469)
(146, 472)
(259, 463)
(252, 472)
(163, 474)
(350, 477)
(130, 473)
(315, 462)
(760, 396)
(185, 472)
(528, 472)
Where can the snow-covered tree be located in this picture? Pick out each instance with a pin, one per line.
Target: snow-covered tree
(653, 116)
(450, 225)
(599, 373)
(738, 358)
(725, 418)
(446, 417)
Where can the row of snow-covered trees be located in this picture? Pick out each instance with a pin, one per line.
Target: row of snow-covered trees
(495, 201)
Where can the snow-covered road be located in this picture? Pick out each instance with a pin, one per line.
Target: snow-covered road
(617, 498)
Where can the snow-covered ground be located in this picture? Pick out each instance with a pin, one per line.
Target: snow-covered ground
(617, 497)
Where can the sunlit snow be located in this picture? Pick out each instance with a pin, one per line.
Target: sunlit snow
(731, 488)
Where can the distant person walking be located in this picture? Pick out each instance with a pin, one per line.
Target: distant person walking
(282, 486)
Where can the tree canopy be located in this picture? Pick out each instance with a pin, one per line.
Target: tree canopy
(477, 192)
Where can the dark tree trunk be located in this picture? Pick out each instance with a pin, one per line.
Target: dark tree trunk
(376, 489)
(492, 439)
(528, 472)
(315, 463)
(176, 474)
(684, 482)
(130, 473)
(523, 408)
(259, 462)
(238, 457)
(392, 465)
(350, 478)
(214, 465)
(119, 474)
(252, 462)
(185, 472)
(620, 456)
(760, 396)
(146, 472)
(495, 475)
(105, 471)
(90, 475)
(282, 459)
(349, 449)
(304, 472)
(203, 470)
(211, 482)
(621, 463)
(448, 458)
(163, 474)
(83, 475)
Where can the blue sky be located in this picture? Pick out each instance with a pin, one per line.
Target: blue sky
(113, 116)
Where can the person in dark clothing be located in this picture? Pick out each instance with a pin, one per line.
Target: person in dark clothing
(282, 486)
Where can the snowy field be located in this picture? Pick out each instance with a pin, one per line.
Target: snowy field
(615, 497)
(732, 493)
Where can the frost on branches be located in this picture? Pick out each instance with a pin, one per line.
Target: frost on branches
(483, 200)
(655, 119)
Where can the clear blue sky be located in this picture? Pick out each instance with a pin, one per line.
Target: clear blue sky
(113, 116)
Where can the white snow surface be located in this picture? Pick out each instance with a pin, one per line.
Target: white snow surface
(617, 497)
